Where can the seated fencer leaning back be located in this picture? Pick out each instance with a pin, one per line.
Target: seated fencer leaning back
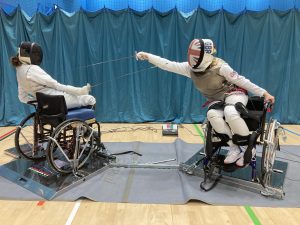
(32, 78)
(218, 82)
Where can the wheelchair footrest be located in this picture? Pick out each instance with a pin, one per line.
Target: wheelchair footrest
(225, 167)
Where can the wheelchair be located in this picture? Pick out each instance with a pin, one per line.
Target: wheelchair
(65, 138)
(254, 115)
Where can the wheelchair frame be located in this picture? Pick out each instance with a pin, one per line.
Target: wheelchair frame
(66, 144)
(212, 159)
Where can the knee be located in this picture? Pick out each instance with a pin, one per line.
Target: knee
(213, 114)
(92, 100)
(88, 100)
(231, 113)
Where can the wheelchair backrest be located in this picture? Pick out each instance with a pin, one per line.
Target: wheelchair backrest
(256, 108)
(51, 109)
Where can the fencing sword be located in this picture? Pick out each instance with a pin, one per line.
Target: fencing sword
(112, 60)
(122, 76)
(115, 60)
(119, 77)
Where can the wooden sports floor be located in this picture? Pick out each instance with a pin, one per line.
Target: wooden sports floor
(86, 212)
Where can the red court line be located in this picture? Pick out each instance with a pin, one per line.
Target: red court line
(7, 134)
(40, 203)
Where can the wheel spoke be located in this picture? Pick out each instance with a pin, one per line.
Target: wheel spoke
(70, 146)
(29, 144)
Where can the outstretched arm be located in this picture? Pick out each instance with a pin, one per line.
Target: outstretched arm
(165, 64)
(38, 75)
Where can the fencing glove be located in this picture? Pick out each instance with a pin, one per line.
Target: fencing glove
(142, 55)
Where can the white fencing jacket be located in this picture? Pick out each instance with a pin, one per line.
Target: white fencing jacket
(225, 70)
(32, 79)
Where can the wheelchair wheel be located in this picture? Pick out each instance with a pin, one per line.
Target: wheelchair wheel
(271, 145)
(29, 141)
(70, 145)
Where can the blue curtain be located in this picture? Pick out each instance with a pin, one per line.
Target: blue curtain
(263, 46)
(46, 6)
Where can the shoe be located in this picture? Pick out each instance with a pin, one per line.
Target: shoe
(233, 155)
(240, 162)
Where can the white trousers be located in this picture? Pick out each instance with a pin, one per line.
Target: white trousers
(72, 101)
(233, 123)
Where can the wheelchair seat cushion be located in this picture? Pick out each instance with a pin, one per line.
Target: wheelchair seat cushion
(81, 113)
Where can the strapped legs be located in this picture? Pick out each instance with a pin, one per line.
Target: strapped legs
(233, 123)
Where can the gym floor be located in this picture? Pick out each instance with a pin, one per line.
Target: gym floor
(88, 212)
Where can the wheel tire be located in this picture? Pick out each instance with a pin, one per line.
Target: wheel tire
(65, 135)
(268, 155)
(25, 133)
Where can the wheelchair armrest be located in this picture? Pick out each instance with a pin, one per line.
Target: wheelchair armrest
(268, 106)
(240, 107)
(33, 103)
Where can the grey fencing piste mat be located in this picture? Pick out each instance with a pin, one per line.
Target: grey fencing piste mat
(169, 186)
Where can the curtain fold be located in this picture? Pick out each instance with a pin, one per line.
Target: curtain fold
(98, 48)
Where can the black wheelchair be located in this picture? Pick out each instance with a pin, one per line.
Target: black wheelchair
(212, 161)
(65, 138)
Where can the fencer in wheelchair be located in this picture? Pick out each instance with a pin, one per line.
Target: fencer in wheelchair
(227, 97)
(214, 161)
(63, 129)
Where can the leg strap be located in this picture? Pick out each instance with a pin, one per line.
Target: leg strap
(217, 105)
(251, 145)
(241, 108)
(240, 140)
